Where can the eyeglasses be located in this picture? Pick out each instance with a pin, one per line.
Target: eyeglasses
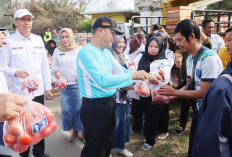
(25, 20)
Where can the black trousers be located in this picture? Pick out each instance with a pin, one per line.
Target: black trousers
(184, 114)
(144, 105)
(98, 119)
(163, 119)
(192, 134)
(39, 148)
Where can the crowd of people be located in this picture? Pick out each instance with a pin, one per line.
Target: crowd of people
(101, 76)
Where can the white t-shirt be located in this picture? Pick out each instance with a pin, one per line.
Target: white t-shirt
(208, 68)
(217, 42)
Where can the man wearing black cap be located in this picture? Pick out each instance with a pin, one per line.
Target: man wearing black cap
(99, 75)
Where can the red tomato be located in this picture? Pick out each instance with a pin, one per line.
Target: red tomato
(165, 99)
(20, 148)
(11, 146)
(46, 131)
(15, 127)
(27, 116)
(36, 83)
(36, 138)
(29, 128)
(9, 138)
(49, 115)
(143, 92)
(39, 110)
(53, 125)
(25, 139)
(154, 91)
(155, 98)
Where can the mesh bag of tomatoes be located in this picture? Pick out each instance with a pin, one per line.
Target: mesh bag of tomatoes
(143, 88)
(159, 100)
(30, 84)
(61, 83)
(31, 126)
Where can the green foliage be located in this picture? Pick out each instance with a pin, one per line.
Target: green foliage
(223, 5)
(86, 25)
(6, 9)
(49, 13)
(54, 14)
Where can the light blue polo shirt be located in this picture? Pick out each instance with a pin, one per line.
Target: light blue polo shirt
(99, 73)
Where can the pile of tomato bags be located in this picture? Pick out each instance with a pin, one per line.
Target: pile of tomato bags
(31, 126)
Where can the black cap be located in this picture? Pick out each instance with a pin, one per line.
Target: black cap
(107, 22)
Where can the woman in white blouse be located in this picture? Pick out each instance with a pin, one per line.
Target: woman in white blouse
(64, 65)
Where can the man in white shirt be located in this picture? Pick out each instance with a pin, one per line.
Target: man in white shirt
(203, 67)
(217, 41)
(26, 55)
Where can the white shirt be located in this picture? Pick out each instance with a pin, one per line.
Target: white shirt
(65, 63)
(217, 42)
(3, 84)
(27, 54)
(208, 68)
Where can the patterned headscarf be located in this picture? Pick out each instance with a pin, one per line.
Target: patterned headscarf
(119, 56)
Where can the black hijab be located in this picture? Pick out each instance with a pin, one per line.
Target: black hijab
(147, 59)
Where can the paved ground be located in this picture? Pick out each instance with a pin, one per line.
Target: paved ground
(57, 144)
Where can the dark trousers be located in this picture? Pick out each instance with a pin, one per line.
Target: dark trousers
(192, 134)
(39, 148)
(144, 105)
(98, 119)
(184, 113)
(1, 134)
(163, 119)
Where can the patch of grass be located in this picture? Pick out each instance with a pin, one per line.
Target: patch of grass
(173, 146)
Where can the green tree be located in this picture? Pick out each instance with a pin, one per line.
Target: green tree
(6, 14)
(54, 14)
(223, 5)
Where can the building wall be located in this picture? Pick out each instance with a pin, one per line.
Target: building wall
(118, 17)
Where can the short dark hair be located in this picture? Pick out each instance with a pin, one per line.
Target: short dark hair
(14, 26)
(229, 30)
(186, 27)
(94, 30)
(206, 21)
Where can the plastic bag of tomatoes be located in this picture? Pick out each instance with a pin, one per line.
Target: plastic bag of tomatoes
(143, 88)
(159, 100)
(30, 84)
(61, 83)
(31, 126)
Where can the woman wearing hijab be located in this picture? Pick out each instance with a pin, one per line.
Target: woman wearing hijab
(64, 65)
(122, 110)
(152, 60)
(163, 118)
(135, 46)
(82, 40)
